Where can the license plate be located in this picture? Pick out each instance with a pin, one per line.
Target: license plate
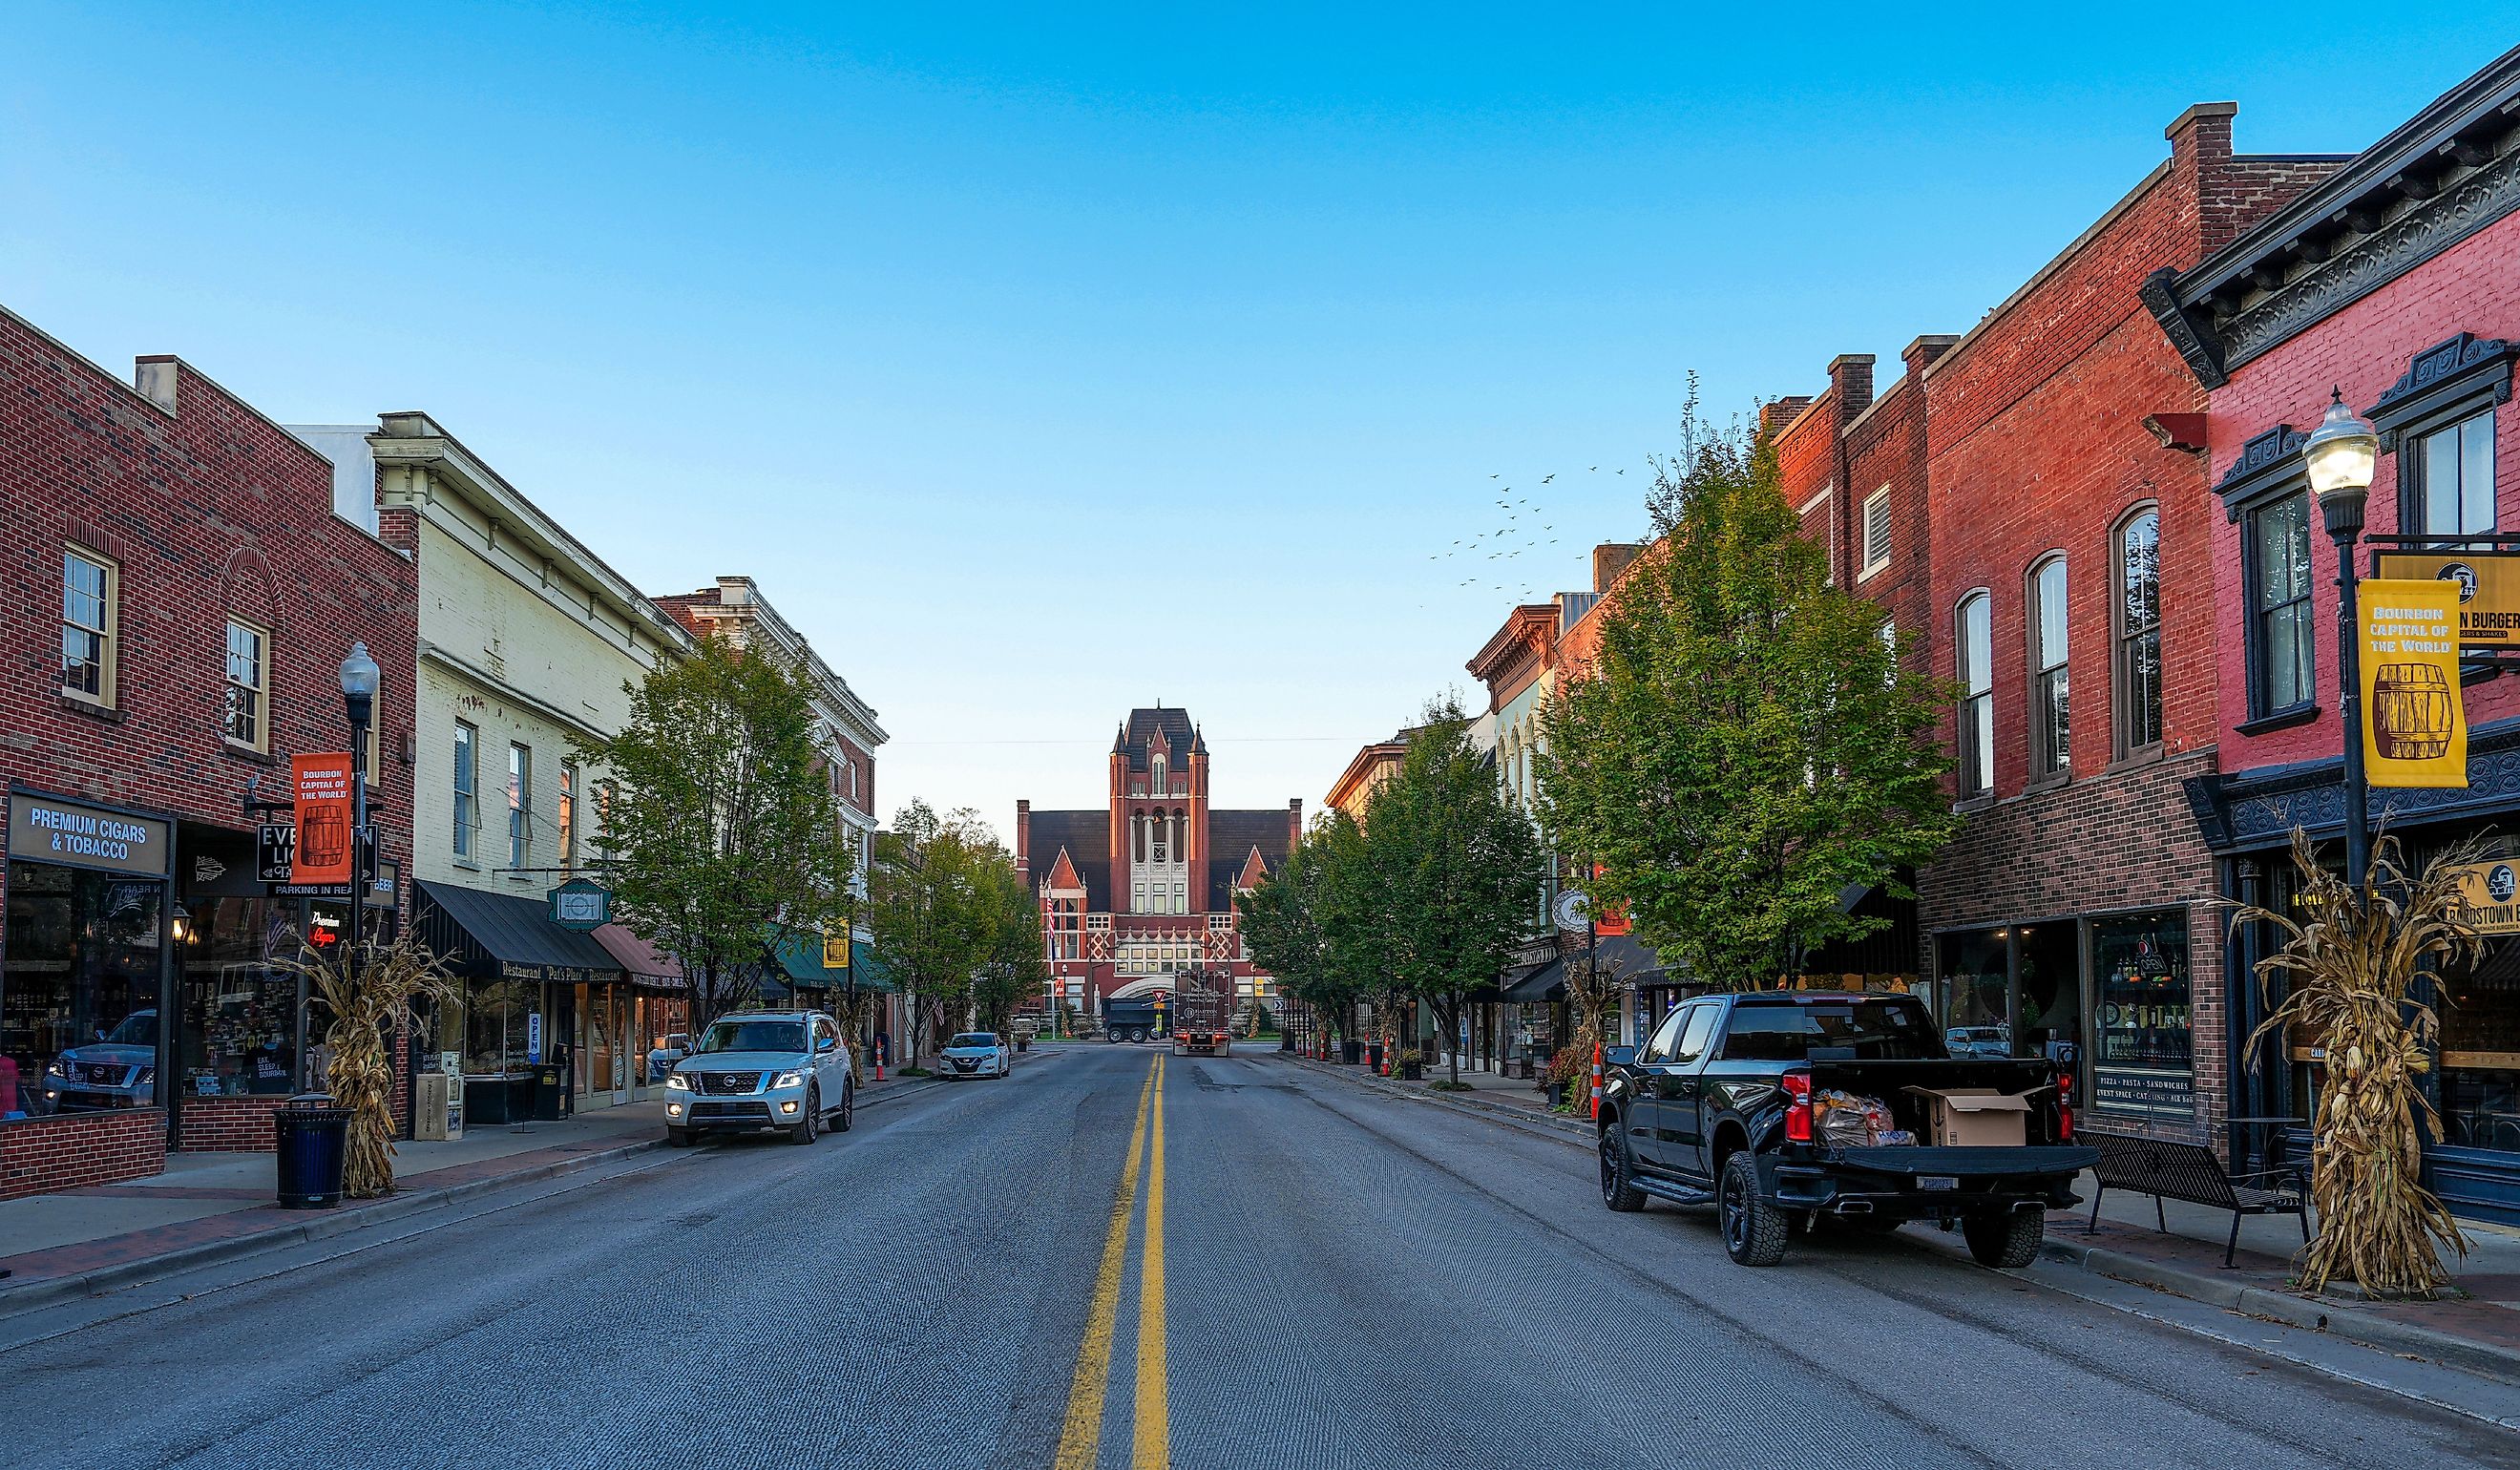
(1937, 1181)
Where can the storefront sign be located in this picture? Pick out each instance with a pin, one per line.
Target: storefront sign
(274, 851)
(2415, 728)
(835, 948)
(534, 1036)
(2489, 896)
(2489, 590)
(2160, 1094)
(322, 787)
(581, 903)
(45, 830)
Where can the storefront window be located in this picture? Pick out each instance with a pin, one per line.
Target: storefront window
(78, 998)
(1977, 1016)
(240, 1033)
(2145, 1063)
(496, 1021)
(2480, 1031)
(2048, 1019)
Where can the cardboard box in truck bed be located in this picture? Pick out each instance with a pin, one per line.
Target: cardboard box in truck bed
(1974, 1117)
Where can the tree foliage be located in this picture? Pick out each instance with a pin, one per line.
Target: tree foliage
(1748, 742)
(720, 832)
(1295, 930)
(952, 922)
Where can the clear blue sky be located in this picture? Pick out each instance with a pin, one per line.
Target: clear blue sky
(1038, 367)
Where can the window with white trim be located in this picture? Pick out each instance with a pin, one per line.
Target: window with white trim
(1876, 530)
(244, 718)
(91, 589)
(467, 791)
(2051, 728)
(1972, 630)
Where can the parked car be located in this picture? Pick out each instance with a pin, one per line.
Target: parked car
(118, 1069)
(668, 1051)
(1978, 1040)
(1739, 1100)
(977, 1054)
(758, 1071)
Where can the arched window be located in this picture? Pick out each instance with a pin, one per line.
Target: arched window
(2139, 631)
(1971, 630)
(2051, 723)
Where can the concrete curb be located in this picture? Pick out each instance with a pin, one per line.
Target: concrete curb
(2348, 1321)
(1572, 1129)
(20, 1299)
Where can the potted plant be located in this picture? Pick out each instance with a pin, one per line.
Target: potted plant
(1412, 1063)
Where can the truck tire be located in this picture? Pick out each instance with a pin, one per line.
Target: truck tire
(810, 1126)
(678, 1137)
(1755, 1231)
(2009, 1241)
(1619, 1172)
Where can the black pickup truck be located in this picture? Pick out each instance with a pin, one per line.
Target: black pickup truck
(1720, 1107)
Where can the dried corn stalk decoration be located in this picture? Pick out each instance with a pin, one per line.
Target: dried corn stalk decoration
(2348, 970)
(367, 1008)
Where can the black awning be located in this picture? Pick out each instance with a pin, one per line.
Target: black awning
(500, 936)
(1538, 985)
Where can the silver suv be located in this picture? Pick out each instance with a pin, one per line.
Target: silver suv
(758, 1071)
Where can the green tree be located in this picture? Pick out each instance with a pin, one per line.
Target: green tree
(937, 907)
(1750, 740)
(1287, 922)
(1454, 869)
(720, 832)
(1016, 968)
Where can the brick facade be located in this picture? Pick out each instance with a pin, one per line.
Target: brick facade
(208, 512)
(46, 1155)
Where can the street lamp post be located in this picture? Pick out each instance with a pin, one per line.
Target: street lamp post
(2341, 454)
(359, 676)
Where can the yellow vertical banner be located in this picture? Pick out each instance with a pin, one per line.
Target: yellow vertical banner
(836, 946)
(2415, 729)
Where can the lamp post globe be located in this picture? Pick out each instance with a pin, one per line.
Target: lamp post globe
(2340, 456)
(359, 678)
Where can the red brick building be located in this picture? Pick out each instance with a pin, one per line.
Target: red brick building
(2395, 281)
(183, 588)
(2072, 539)
(1143, 886)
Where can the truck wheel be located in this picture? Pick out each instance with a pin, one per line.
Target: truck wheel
(2010, 1241)
(810, 1126)
(1619, 1172)
(1755, 1231)
(678, 1137)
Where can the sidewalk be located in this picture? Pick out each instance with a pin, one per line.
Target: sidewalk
(212, 1206)
(2476, 1326)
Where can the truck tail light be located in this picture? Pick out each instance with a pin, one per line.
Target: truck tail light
(1798, 1108)
(2065, 1108)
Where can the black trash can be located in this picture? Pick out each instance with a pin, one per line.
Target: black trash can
(1374, 1055)
(1351, 1053)
(314, 1143)
(547, 1094)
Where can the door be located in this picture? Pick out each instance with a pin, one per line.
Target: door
(1682, 1090)
(1644, 1120)
(831, 1061)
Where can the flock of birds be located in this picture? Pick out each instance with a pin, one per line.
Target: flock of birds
(1523, 531)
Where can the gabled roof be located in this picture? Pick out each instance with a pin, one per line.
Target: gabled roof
(1062, 874)
(1082, 840)
(1138, 734)
(1256, 872)
(1245, 835)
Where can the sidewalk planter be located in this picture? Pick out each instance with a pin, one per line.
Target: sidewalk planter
(1351, 1053)
(1413, 1071)
(313, 1147)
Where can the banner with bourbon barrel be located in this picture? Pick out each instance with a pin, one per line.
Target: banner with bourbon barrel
(2415, 729)
(321, 787)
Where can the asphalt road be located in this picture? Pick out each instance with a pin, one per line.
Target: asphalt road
(1345, 1282)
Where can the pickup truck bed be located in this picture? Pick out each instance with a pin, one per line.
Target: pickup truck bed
(1719, 1108)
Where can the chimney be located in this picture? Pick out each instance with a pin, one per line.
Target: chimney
(154, 378)
(1850, 375)
(2201, 156)
(1024, 835)
(1775, 416)
(1609, 559)
(1294, 822)
(1922, 353)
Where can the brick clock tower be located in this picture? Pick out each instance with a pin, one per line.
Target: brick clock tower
(1144, 887)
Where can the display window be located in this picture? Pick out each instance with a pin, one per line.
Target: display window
(497, 1023)
(2146, 1059)
(78, 994)
(240, 1031)
(2480, 1051)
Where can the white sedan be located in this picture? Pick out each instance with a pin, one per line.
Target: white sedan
(977, 1054)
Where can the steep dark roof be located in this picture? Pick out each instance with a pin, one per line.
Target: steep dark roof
(1180, 735)
(1231, 837)
(1086, 836)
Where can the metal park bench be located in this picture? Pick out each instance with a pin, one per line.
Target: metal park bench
(2190, 1172)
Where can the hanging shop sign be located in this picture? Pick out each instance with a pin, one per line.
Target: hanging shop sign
(49, 830)
(2489, 896)
(321, 785)
(380, 893)
(2489, 590)
(274, 851)
(581, 903)
(835, 948)
(2415, 728)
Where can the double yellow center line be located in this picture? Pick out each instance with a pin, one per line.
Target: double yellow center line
(1080, 1440)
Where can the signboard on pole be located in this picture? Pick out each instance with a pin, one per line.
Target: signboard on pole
(581, 903)
(321, 789)
(835, 948)
(2415, 728)
(2489, 590)
(274, 851)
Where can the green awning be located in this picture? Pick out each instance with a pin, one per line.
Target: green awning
(800, 963)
